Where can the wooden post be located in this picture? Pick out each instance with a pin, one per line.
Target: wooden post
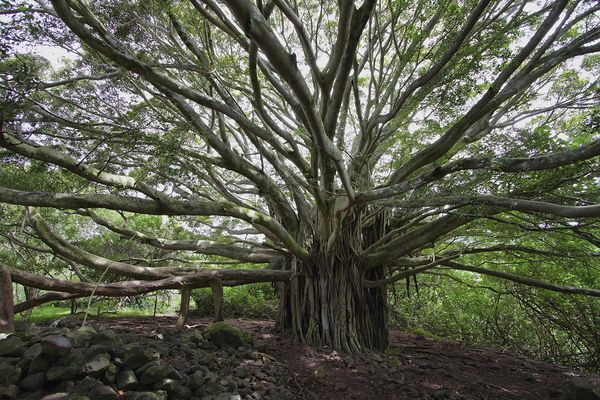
(7, 324)
(185, 308)
(217, 292)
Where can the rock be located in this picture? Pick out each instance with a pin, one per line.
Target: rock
(194, 336)
(93, 350)
(179, 363)
(205, 357)
(97, 365)
(241, 372)
(85, 386)
(9, 374)
(103, 392)
(127, 380)
(33, 382)
(110, 339)
(57, 373)
(56, 396)
(74, 358)
(11, 346)
(136, 356)
(159, 395)
(180, 392)
(261, 345)
(260, 388)
(228, 396)
(33, 361)
(110, 376)
(9, 392)
(223, 335)
(166, 384)
(39, 363)
(69, 321)
(56, 345)
(82, 336)
(196, 380)
(582, 389)
(155, 373)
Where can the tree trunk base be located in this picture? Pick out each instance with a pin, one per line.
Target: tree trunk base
(6, 302)
(328, 306)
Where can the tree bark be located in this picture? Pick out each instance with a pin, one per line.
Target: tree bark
(185, 308)
(6, 302)
(217, 292)
(326, 304)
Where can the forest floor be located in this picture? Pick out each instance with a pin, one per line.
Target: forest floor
(413, 368)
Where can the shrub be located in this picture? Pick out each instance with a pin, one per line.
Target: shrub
(255, 301)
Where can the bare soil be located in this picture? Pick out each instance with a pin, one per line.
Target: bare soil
(413, 368)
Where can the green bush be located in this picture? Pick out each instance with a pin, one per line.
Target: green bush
(255, 301)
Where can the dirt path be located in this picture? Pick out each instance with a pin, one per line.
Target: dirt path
(413, 368)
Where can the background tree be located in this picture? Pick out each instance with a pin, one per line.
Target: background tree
(348, 146)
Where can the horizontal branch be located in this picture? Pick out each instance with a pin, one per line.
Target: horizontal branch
(524, 280)
(405, 274)
(208, 247)
(500, 164)
(151, 207)
(65, 290)
(511, 204)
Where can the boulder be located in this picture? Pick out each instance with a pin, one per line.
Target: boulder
(110, 339)
(39, 363)
(136, 356)
(166, 384)
(56, 345)
(159, 395)
(110, 376)
(194, 336)
(97, 365)
(180, 392)
(63, 372)
(9, 391)
(9, 374)
(127, 380)
(12, 346)
(196, 380)
(82, 336)
(56, 396)
(582, 389)
(103, 392)
(33, 382)
(155, 373)
(85, 386)
(225, 335)
(93, 350)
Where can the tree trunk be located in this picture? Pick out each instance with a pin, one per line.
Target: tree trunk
(185, 308)
(217, 293)
(325, 303)
(6, 302)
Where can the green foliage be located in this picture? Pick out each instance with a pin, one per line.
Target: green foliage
(487, 312)
(252, 301)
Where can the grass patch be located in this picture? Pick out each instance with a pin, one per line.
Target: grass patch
(42, 314)
(50, 312)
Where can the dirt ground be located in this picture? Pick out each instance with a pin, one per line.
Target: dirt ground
(413, 368)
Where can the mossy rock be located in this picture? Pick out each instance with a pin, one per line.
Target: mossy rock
(225, 335)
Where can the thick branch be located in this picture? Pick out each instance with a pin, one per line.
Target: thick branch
(592, 211)
(524, 280)
(146, 206)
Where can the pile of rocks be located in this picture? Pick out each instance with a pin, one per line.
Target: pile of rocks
(102, 364)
